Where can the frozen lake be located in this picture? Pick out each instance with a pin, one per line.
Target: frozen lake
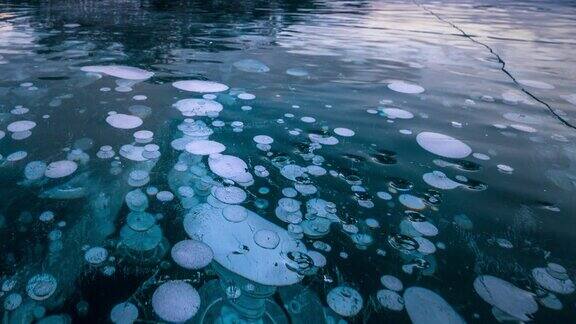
(287, 161)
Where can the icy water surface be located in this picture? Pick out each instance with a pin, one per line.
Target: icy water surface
(287, 161)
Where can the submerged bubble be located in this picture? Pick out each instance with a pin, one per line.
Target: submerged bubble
(41, 286)
(425, 306)
(200, 86)
(499, 293)
(345, 301)
(198, 107)
(345, 132)
(120, 71)
(443, 145)
(390, 300)
(251, 65)
(205, 147)
(405, 87)
(175, 301)
(123, 121)
(60, 169)
(124, 313)
(191, 254)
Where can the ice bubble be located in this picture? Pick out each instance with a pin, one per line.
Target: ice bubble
(425, 246)
(391, 282)
(191, 254)
(143, 136)
(266, 239)
(34, 170)
(198, 107)
(46, 216)
(345, 132)
(96, 255)
(443, 145)
(522, 118)
(41, 286)
(412, 202)
(164, 196)
(308, 120)
(536, 84)
(514, 97)
(560, 286)
(251, 65)
(235, 213)
(12, 301)
(384, 195)
(204, 147)
(263, 139)
(60, 169)
(123, 121)
(394, 113)
(133, 153)
(318, 258)
(289, 192)
(105, 152)
(323, 139)
(140, 221)
(405, 87)
(505, 168)
(16, 156)
(316, 170)
(506, 297)
(345, 301)
(138, 178)
(390, 300)
(438, 179)
(229, 167)
(246, 96)
(229, 195)
(200, 86)
(120, 71)
(136, 200)
(292, 171)
(21, 126)
(124, 313)
(426, 307)
(297, 72)
(175, 301)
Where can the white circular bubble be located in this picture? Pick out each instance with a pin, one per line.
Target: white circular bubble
(191, 254)
(503, 295)
(123, 121)
(263, 139)
(120, 71)
(345, 301)
(394, 113)
(390, 300)
(443, 145)
(60, 169)
(425, 307)
(175, 301)
(266, 239)
(21, 126)
(96, 255)
(345, 132)
(124, 313)
(200, 86)
(198, 107)
(204, 147)
(405, 87)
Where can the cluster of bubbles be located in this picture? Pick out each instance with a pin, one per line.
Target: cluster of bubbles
(248, 252)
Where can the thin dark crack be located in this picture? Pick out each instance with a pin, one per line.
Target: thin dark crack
(500, 60)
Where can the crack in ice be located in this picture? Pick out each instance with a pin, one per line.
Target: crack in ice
(500, 60)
